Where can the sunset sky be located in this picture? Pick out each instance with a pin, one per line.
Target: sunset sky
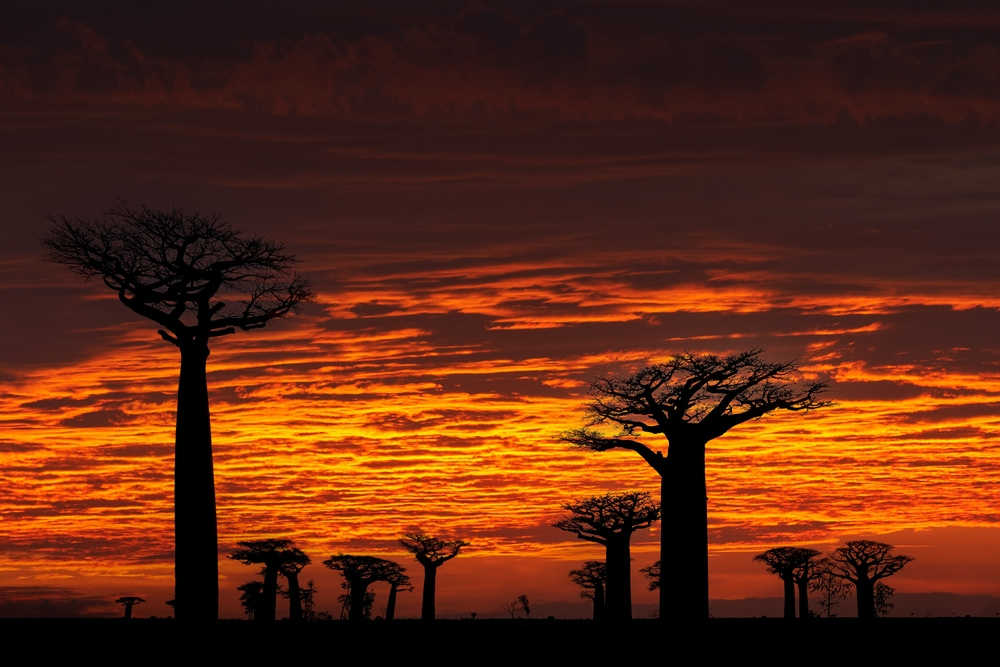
(497, 203)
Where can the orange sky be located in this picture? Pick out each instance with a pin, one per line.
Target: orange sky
(496, 205)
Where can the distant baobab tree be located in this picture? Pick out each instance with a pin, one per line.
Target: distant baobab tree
(198, 279)
(129, 601)
(292, 562)
(359, 573)
(277, 557)
(864, 563)
(690, 400)
(592, 578)
(432, 553)
(792, 565)
(397, 582)
(610, 520)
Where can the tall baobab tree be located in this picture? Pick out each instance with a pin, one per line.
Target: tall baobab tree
(291, 563)
(274, 555)
(690, 400)
(432, 553)
(610, 520)
(792, 565)
(864, 564)
(197, 279)
(359, 573)
(592, 579)
(129, 601)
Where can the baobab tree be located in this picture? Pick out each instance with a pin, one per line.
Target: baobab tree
(432, 553)
(197, 279)
(809, 568)
(274, 555)
(359, 573)
(291, 563)
(129, 601)
(610, 520)
(792, 565)
(592, 579)
(690, 400)
(397, 582)
(864, 563)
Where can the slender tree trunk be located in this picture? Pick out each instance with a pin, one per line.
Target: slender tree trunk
(599, 602)
(685, 517)
(618, 600)
(427, 605)
(269, 597)
(789, 595)
(803, 598)
(390, 606)
(196, 559)
(294, 597)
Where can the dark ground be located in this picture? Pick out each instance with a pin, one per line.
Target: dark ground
(466, 641)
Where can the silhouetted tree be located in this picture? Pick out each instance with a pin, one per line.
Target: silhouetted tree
(349, 610)
(830, 587)
(359, 573)
(251, 594)
(291, 563)
(307, 595)
(129, 601)
(882, 593)
(864, 563)
(272, 554)
(432, 553)
(690, 400)
(592, 579)
(397, 582)
(610, 520)
(791, 564)
(809, 567)
(175, 269)
(653, 574)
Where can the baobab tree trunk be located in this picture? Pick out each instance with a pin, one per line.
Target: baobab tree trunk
(865, 590)
(196, 567)
(599, 602)
(268, 608)
(128, 611)
(685, 517)
(789, 596)
(358, 592)
(803, 598)
(390, 606)
(427, 604)
(294, 597)
(618, 599)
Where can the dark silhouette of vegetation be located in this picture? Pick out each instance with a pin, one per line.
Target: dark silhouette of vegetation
(864, 563)
(592, 578)
(251, 594)
(291, 563)
(793, 565)
(276, 556)
(432, 553)
(690, 400)
(359, 573)
(307, 596)
(653, 574)
(610, 520)
(520, 603)
(830, 587)
(397, 582)
(198, 279)
(882, 593)
(129, 601)
(355, 611)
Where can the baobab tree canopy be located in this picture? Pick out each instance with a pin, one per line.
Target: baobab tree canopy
(197, 278)
(689, 400)
(432, 553)
(864, 563)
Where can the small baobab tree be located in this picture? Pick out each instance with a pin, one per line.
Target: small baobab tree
(431, 553)
(198, 279)
(792, 565)
(290, 564)
(610, 520)
(689, 400)
(397, 582)
(359, 573)
(272, 555)
(129, 601)
(864, 563)
(592, 578)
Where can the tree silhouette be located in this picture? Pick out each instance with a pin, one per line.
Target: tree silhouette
(251, 594)
(274, 555)
(521, 603)
(610, 520)
(397, 581)
(592, 578)
(129, 601)
(291, 563)
(864, 563)
(792, 565)
(653, 574)
(198, 279)
(881, 595)
(359, 573)
(830, 587)
(432, 553)
(690, 400)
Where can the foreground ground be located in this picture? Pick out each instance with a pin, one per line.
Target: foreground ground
(433, 643)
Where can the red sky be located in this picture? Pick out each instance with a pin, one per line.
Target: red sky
(497, 203)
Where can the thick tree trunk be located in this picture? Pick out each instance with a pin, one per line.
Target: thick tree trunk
(268, 609)
(196, 560)
(803, 598)
(390, 606)
(294, 597)
(358, 591)
(599, 603)
(618, 595)
(865, 590)
(684, 559)
(128, 611)
(427, 605)
(789, 596)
